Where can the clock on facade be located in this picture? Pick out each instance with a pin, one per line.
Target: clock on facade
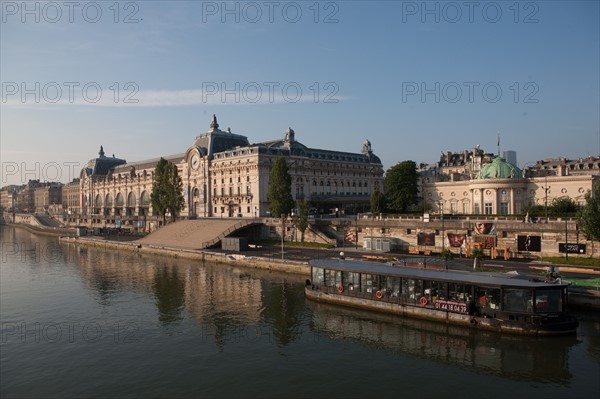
(195, 161)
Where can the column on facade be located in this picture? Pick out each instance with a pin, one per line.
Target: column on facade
(512, 208)
(495, 205)
(481, 201)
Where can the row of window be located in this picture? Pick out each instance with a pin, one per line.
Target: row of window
(427, 292)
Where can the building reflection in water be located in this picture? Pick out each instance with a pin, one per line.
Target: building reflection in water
(222, 299)
(514, 357)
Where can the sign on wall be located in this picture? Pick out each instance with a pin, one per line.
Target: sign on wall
(426, 239)
(571, 248)
(486, 241)
(529, 243)
(485, 228)
(456, 240)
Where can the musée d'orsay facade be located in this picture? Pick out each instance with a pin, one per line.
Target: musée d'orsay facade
(226, 176)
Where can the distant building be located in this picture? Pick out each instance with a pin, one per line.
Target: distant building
(71, 201)
(501, 188)
(565, 167)
(47, 195)
(510, 156)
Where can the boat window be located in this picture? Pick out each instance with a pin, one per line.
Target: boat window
(333, 278)
(391, 285)
(459, 292)
(354, 281)
(369, 283)
(518, 300)
(318, 276)
(412, 290)
(487, 298)
(549, 300)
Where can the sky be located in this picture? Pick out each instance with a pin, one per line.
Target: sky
(142, 78)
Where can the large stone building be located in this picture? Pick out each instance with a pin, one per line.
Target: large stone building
(499, 187)
(225, 176)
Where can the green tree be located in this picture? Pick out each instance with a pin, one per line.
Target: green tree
(563, 206)
(401, 186)
(167, 186)
(280, 189)
(377, 202)
(301, 219)
(589, 219)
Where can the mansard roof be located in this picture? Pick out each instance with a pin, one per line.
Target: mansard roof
(102, 165)
(146, 164)
(295, 148)
(215, 140)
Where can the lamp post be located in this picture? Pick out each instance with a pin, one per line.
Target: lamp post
(282, 232)
(567, 241)
(356, 232)
(443, 229)
(546, 191)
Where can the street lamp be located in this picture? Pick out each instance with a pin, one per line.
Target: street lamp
(282, 232)
(443, 229)
(546, 190)
(356, 232)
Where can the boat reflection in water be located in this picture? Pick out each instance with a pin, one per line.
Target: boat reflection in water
(515, 357)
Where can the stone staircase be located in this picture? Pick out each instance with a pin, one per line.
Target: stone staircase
(195, 234)
(47, 221)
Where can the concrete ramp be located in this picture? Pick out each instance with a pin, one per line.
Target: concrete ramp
(194, 234)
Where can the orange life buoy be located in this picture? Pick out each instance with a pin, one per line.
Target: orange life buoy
(423, 301)
(340, 288)
(379, 294)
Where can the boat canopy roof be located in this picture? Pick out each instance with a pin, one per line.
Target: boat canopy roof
(453, 276)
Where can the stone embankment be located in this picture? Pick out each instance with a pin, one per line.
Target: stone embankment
(289, 266)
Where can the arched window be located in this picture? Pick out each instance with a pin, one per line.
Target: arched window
(119, 200)
(131, 200)
(108, 200)
(98, 201)
(144, 199)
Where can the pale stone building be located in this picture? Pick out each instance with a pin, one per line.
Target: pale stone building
(500, 188)
(225, 176)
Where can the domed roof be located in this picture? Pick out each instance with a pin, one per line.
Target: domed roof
(499, 169)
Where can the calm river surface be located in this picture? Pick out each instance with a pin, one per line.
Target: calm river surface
(82, 322)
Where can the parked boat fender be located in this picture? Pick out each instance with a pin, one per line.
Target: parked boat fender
(423, 301)
(379, 294)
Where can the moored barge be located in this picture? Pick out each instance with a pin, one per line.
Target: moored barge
(474, 300)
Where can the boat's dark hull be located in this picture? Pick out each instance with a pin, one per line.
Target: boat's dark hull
(566, 326)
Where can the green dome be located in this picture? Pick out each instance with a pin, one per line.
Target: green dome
(499, 169)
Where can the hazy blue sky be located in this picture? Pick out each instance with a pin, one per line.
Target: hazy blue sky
(415, 78)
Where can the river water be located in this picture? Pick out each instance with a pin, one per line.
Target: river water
(85, 322)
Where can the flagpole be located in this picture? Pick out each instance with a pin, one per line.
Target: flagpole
(498, 144)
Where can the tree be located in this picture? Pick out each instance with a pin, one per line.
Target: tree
(280, 189)
(589, 219)
(377, 201)
(301, 219)
(563, 206)
(401, 186)
(166, 190)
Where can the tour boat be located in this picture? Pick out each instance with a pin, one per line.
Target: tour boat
(476, 300)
